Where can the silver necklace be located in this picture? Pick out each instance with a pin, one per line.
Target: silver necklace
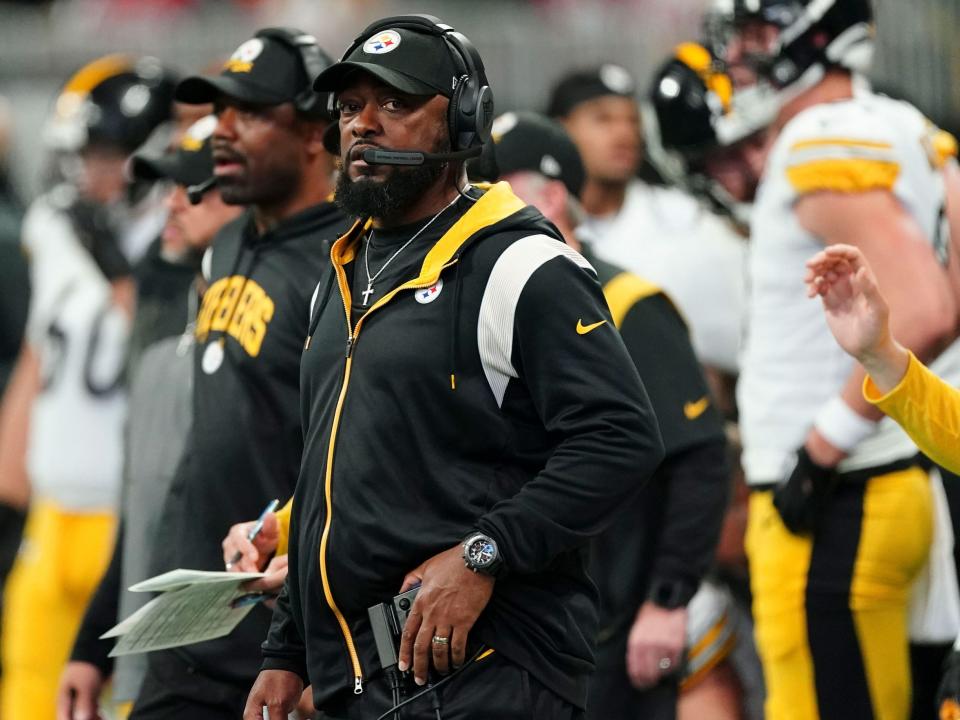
(366, 254)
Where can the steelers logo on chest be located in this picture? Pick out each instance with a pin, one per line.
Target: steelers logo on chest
(425, 296)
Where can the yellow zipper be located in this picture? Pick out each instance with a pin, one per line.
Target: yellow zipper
(352, 333)
(328, 498)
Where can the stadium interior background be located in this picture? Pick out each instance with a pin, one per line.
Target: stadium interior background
(528, 45)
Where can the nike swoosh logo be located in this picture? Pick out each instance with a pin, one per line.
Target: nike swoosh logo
(584, 329)
(693, 410)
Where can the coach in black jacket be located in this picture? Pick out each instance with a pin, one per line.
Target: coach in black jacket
(448, 393)
(244, 448)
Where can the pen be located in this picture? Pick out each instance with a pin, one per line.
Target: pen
(255, 530)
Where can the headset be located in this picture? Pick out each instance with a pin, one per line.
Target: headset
(314, 61)
(470, 113)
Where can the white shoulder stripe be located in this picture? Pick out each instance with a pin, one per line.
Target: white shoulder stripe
(498, 307)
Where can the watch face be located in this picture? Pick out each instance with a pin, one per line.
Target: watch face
(482, 552)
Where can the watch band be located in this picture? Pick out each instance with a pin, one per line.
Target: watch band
(670, 594)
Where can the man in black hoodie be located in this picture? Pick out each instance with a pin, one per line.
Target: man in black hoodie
(649, 563)
(464, 430)
(244, 449)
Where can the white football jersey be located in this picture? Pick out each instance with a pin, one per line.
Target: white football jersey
(667, 237)
(791, 364)
(74, 452)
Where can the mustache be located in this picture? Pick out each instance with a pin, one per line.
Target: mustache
(225, 153)
(357, 148)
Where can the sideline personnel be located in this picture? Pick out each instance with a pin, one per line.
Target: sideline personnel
(649, 563)
(471, 440)
(158, 421)
(246, 443)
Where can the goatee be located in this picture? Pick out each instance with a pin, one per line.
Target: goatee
(388, 198)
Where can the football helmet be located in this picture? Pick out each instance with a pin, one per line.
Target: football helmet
(691, 112)
(116, 101)
(813, 36)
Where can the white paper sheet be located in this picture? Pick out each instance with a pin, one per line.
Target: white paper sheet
(176, 579)
(193, 606)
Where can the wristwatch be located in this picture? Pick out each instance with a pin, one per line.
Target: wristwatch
(480, 554)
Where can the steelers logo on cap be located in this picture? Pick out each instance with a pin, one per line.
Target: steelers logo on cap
(242, 59)
(550, 167)
(502, 125)
(616, 79)
(382, 42)
(197, 133)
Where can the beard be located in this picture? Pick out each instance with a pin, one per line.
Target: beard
(390, 197)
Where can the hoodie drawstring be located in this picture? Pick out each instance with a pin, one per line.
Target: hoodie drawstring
(454, 325)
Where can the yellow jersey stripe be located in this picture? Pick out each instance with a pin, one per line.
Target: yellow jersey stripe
(944, 147)
(722, 654)
(708, 639)
(843, 175)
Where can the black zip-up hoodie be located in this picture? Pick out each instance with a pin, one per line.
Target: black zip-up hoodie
(502, 400)
(245, 445)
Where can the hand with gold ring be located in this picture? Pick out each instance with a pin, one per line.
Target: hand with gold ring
(450, 600)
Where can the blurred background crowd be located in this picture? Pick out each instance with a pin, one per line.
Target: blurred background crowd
(528, 47)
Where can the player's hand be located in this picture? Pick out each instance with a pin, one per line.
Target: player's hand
(79, 692)
(655, 645)
(804, 494)
(277, 690)
(254, 554)
(450, 600)
(276, 574)
(856, 312)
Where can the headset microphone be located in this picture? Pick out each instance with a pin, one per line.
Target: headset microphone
(409, 157)
(196, 192)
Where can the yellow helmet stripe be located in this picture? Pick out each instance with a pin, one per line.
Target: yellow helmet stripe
(94, 73)
(697, 58)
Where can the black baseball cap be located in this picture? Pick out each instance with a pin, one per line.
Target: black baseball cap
(189, 164)
(415, 62)
(262, 71)
(581, 86)
(530, 141)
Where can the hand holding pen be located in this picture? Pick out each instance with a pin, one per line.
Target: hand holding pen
(247, 544)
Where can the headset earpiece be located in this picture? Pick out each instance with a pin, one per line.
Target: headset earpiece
(314, 61)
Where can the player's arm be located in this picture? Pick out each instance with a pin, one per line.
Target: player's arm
(925, 406)
(922, 306)
(14, 427)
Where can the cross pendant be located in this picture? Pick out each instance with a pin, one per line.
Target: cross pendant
(367, 293)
